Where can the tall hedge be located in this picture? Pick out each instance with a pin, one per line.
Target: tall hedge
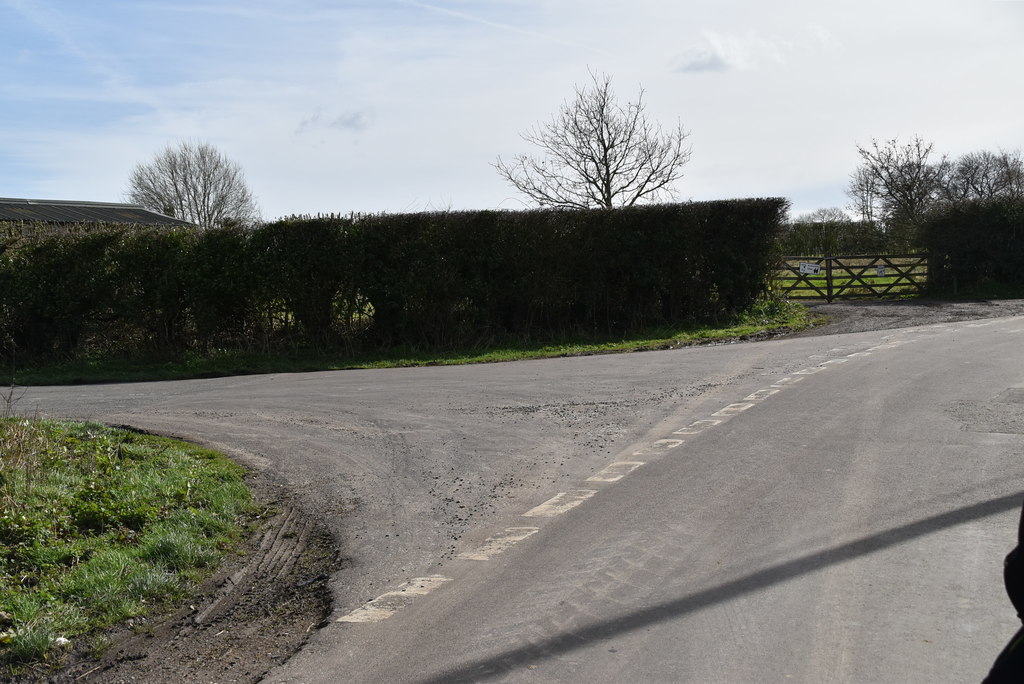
(976, 243)
(431, 280)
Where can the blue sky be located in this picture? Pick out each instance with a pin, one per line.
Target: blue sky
(401, 105)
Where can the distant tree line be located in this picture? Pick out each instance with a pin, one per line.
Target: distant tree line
(898, 183)
(894, 191)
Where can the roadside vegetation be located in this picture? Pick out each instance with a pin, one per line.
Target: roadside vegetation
(765, 317)
(98, 526)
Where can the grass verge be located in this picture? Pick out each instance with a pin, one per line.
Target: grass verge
(99, 525)
(768, 316)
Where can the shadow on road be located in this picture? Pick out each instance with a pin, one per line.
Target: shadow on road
(501, 663)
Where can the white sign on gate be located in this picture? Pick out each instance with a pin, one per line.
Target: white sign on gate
(809, 268)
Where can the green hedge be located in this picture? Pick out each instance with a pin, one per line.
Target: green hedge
(976, 243)
(431, 280)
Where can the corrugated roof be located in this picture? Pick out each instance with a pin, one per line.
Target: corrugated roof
(62, 211)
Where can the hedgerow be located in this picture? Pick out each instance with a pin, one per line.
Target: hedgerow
(428, 280)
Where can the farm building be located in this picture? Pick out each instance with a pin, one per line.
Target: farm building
(69, 213)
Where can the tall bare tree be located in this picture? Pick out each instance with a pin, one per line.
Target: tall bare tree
(597, 153)
(896, 182)
(196, 183)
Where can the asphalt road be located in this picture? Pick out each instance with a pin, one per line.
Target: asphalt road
(815, 509)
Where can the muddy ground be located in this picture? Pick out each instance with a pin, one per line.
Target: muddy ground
(264, 601)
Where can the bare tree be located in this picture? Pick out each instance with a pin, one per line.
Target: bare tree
(984, 175)
(863, 192)
(196, 183)
(896, 182)
(827, 215)
(598, 153)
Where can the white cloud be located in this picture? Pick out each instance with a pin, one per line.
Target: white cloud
(728, 51)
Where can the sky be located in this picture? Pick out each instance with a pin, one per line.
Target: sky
(403, 106)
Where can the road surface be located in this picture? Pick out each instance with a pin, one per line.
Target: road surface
(816, 509)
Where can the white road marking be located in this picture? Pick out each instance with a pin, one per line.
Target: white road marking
(560, 503)
(492, 546)
(697, 427)
(661, 445)
(615, 471)
(858, 354)
(389, 603)
(832, 362)
(762, 394)
(810, 370)
(786, 381)
(732, 410)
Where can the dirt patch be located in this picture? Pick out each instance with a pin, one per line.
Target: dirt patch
(863, 316)
(259, 609)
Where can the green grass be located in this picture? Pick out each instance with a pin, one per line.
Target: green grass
(851, 286)
(99, 525)
(768, 315)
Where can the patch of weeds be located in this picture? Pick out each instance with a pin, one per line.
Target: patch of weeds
(98, 525)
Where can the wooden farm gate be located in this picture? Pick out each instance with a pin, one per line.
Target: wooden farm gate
(852, 277)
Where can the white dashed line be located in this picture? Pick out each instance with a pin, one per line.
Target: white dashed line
(386, 605)
(762, 394)
(732, 409)
(560, 503)
(810, 371)
(786, 381)
(492, 546)
(615, 471)
(855, 355)
(697, 427)
(833, 362)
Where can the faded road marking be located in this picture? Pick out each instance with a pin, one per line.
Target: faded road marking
(786, 381)
(492, 546)
(386, 605)
(615, 471)
(810, 371)
(697, 427)
(732, 409)
(659, 446)
(560, 503)
(762, 394)
(832, 362)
